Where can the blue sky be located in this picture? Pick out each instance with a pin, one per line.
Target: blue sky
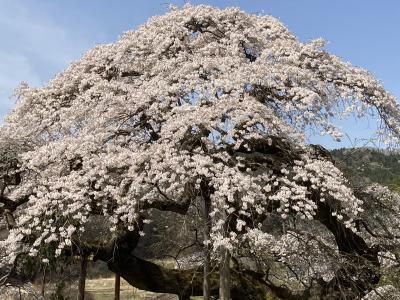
(40, 38)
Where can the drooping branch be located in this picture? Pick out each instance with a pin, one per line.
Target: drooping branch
(148, 276)
(152, 277)
(361, 271)
(362, 265)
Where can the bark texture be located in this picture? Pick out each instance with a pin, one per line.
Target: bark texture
(82, 277)
(207, 265)
(225, 275)
(117, 287)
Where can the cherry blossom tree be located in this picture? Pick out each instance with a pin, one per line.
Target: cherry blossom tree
(207, 107)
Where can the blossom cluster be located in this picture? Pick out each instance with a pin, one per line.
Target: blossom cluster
(145, 121)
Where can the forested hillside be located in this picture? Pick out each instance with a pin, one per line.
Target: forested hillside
(369, 165)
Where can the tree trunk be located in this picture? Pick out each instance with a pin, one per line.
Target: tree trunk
(207, 267)
(224, 264)
(43, 288)
(117, 286)
(82, 277)
(225, 275)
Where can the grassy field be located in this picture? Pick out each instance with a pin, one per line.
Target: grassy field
(96, 289)
(99, 287)
(103, 289)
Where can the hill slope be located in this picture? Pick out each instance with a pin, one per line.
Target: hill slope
(369, 165)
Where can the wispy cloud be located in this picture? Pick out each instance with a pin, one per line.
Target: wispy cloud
(13, 69)
(33, 47)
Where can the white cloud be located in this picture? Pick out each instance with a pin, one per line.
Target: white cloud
(33, 48)
(14, 68)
